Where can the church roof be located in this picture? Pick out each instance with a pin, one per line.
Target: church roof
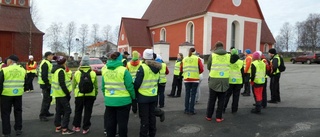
(137, 31)
(266, 35)
(16, 19)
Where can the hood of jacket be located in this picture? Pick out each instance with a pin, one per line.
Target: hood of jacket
(154, 65)
(220, 51)
(234, 58)
(54, 69)
(135, 63)
(113, 64)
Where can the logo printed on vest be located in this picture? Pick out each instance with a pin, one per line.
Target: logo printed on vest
(234, 79)
(221, 73)
(188, 74)
(112, 92)
(15, 91)
(153, 91)
(263, 79)
(51, 91)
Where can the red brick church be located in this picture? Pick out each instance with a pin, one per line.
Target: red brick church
(173, 26)
(18, 34)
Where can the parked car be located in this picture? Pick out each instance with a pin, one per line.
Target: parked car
(96, 64)
(307, 58)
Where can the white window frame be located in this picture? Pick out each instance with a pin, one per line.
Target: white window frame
(163, 34)
(188, 33)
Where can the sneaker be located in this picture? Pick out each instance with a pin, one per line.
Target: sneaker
(76, 129)
(208, 119)
(218, 120)
(86, 131)
(18, 132)
(67, 131)
(58, 129)
(192, 113)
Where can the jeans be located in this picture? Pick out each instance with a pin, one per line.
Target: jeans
(6, 105)
(81, 103)
(191, 91)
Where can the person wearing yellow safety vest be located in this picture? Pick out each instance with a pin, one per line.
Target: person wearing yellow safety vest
(235, 81)
(133, 67)
(163, 80)
(275, 76)
(268, 69)
(219, 72)
(177, 78)
(44, 79)
(258, 76)
(191, 67)
(61, 89)
(11, 90)
(125, 58)
(84, 101)
(146, 87)
(247, 71)
(118, 91)
(31, 67)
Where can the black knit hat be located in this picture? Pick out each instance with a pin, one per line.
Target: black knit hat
(14, 58)
(272, 51)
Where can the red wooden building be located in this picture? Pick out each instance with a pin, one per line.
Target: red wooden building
(173, 26)
(18, 34)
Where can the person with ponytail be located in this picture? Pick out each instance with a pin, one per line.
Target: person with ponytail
(191, 67)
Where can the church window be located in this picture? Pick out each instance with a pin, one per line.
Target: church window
(190, 32)
(163, 34)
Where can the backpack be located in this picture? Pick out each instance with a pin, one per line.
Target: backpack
(282, 67)
(85, 85)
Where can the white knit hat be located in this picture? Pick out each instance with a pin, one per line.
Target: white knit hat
(148, 54)
(30, 57)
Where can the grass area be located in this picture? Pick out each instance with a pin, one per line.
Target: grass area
(286, 59)
(73, 69)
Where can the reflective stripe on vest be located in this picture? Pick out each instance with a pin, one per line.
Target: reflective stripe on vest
(190, 67)
(260, 72)
(13, 84)
(149, 85)
(220, 66)
(40, 81)
(163, 77)
(114, 83)
(133, 70)
(235, 72)
(33, 70)
(55, 86)
(177, 68)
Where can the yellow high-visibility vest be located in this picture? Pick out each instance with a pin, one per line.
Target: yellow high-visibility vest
(114, 83)
(235, 72)
(40, 81)
(33, 70)
(220, 66)
(177, 68)
(149, 86)
(190, 67)
(163, 77)
(55, 86)
(133, 70)
(77, 77)
(13, 84)
(260, 72)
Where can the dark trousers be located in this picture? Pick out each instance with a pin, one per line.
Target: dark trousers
(63, 111)
(212, 101)
(117, 116)
(46, 100)
(275, 87)
(233, 90)
(246, 83)
(161, 89)
(6, 104)
(176, 83)
(86, 104)
(264, 94)
(147, 119)
(29, 81)
(191, 91)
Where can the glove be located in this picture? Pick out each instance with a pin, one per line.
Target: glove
(252, 83)
(134, 106)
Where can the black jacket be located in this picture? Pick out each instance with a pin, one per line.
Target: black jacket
(61, 78)
(155, 67)
(274, 64)
(44, 76)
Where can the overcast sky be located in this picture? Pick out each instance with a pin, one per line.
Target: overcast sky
(109, 12)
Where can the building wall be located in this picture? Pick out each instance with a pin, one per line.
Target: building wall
(250, 36)
(219, 31)
(6, 48)
(123, 41)
(139, 49)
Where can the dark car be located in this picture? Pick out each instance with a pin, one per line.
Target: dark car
(306, 58)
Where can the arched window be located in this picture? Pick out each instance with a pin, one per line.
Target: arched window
(190, 32)
(266, 47)
(163, 34)
(235, 32)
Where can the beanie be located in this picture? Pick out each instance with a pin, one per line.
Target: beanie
(135, 55)
(260, 53)
(256, 56)
(272, 51)
(61, 60)
(234, 52)
(30, 57)
(85, 61)
(248, 51)
(14, 58)
(148, 54)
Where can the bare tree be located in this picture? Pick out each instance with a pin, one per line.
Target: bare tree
(106, 31)
(70, 34)
(286, 35)
(279, 45)
(116, 34)
(83, 37)
(54, 34)
(94, 33)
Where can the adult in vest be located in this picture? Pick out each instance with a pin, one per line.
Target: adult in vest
(247, 71)
(258, 75)
(198, 95)
(164, 71)
(118, 91)
(31, 73)
(192, 68)
(235, 81)
(61, 89)
(219, 67)
(146, 87)
(133, 67)
(44, 79)
(11, 89)
(177, 78)
(83, 101)
(275, 76)
(125, 58)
